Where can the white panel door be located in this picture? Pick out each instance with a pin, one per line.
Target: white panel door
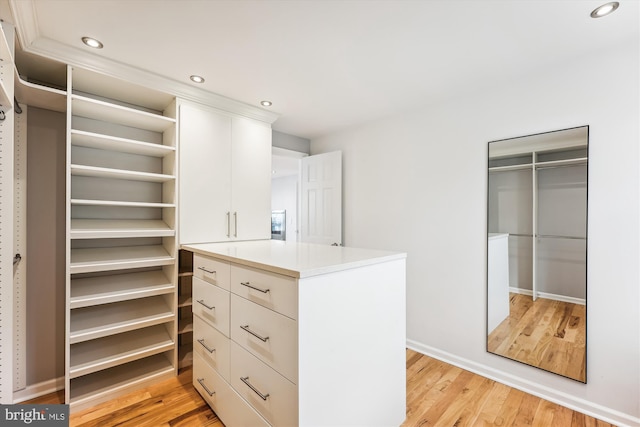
(205, 175)
(321, 207)
(251, 180)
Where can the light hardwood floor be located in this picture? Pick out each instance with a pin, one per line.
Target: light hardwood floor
(544, 333)
(438, 394)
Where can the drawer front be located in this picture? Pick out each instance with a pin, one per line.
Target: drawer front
(274, 291)
(225, 402)
(212, 346)
(211, 303)
(271, 394)
(270, 336)
(211, 270)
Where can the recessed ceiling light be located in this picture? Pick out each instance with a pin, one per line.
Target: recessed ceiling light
(266, 103)
(197, 79)
(605, 9)
(91, 42)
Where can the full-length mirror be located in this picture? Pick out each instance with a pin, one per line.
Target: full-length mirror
(537, 250)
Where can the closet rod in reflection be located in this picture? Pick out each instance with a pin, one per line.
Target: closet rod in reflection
(553, 236)
(538, 167)
(548, 236)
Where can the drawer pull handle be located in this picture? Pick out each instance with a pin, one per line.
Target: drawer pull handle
(228, 224)
(209, 392)
(210, 307)
(207, 271)
(248, 285)
(256, 391)
(210, 350)
(246, 328)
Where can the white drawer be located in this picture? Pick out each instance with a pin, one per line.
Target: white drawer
(225, 402)
(212, 346)
(270, 336)
(274, 291)
(211, 303)
(211, 270)
(271, 394)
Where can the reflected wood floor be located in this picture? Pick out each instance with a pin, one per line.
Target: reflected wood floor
(438, 394)
(545, 333)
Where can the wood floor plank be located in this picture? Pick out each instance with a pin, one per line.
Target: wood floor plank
(544, 415)
(527, 410)
(438, 394)
(493, 404)
(546, 333)
(509, 409)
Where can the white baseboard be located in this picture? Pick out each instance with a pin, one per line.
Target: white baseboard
(562, 298)
(546, 295)
(37, 390)
(600, 412)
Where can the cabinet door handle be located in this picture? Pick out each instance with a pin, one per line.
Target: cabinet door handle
(235, 224)
(246, 328)
(209, 392)
(207, 271)
(210, 307)
(228, 224)
(248, 285)
(255, 390)
(210, 350)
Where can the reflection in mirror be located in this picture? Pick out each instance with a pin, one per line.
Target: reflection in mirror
(537, 250)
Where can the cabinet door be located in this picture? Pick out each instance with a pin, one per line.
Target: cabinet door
(251, 179)
(205, 175)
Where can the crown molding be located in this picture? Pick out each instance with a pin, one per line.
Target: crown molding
(31, 41)
(25, 21)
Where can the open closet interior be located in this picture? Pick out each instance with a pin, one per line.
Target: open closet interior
(537, 195)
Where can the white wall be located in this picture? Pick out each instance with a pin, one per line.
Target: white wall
(417, 182)
(284, 192)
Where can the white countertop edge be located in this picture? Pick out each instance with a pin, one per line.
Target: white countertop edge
(276, 265)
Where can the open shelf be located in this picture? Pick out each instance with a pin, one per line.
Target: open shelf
(100, 385)
(96, 355)
(92, 202)
(567, 162)
(86, 292)
(99, 321)
(117, 114)
(185, 326)
(118, 258)
(184, 300)
(116, 228)
(81, 138)
(35, 95)
(99, 172)
(185, 355)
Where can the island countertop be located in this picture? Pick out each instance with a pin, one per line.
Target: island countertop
(293, 259)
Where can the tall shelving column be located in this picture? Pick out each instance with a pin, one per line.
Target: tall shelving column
(185, 312)
(122, 273)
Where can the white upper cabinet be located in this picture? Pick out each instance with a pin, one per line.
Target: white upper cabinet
(205, 170)
(225, 176)
(251, 179)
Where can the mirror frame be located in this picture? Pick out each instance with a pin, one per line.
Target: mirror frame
(573, 315)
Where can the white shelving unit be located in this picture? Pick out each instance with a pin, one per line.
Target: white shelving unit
(185, 312)
(122, 255)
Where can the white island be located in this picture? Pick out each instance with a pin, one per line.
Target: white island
(289, 334)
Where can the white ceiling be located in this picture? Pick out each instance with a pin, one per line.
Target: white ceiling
(328, 65)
